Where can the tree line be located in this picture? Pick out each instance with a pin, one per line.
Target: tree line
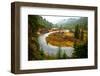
(80, 49)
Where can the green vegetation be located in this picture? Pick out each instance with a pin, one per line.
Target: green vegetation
(75, 37)
(71, 22)
(43, 55)
(77, 32)
(59, 54)
(33, 46)
(35, 22)
(81, 50)
(64, 56)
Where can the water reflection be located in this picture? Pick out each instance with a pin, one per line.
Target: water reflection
(50, 49)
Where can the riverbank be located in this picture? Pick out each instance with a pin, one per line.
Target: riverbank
(50, 49)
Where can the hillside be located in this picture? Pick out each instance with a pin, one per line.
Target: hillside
(70, 23)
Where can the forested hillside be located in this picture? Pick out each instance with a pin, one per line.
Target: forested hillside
(70, 23)
(69, 32)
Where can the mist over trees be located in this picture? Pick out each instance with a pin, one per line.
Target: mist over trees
(71, 22)
(78, 27)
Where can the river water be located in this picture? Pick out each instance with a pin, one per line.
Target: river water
(50, 49)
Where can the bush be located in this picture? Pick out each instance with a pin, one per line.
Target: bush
(80, 50)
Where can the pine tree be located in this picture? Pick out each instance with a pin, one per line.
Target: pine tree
(82, 35)
(77, 32)
(81, 50)
(59, 53)
(64, 56)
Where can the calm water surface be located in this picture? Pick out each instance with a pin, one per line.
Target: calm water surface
(50, 49)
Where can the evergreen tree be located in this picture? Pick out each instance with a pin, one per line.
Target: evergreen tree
(82, 35)
(77, 32)
(64, 56)
(59, 53)
(81, 50)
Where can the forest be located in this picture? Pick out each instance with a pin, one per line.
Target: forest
(66, 33)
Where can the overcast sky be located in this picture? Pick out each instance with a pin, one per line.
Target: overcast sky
(56, 19)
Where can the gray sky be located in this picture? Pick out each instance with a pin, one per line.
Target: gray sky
(56, 19)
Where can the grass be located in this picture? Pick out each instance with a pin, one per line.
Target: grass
(61, 39)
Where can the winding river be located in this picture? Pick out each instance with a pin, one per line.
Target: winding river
(50, 49)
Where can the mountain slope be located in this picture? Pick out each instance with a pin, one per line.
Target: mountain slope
(72, 22)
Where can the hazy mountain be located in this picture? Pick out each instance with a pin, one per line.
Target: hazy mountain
(71, 22)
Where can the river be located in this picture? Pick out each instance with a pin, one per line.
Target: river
(50, 49)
